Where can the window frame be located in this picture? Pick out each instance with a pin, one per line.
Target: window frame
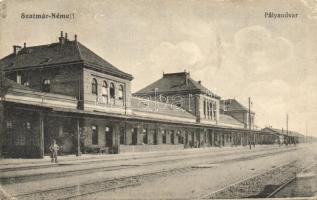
(112, 90)
(46, 85)
(9, 124)
(105, 87)
(94, 86)
(121, 92)
(94, 135)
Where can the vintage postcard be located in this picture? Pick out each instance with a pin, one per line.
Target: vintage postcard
(158, 99)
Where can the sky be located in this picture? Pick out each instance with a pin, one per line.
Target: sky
(227, 44)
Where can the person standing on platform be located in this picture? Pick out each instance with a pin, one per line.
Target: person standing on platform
(54, 151)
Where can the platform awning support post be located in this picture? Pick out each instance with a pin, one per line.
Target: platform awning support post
(78, 139)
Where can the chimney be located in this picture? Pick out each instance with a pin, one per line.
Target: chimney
(199, 82)
(19, 79)
(61, 38)
(75, 38)
(187, 77)
(16, 49)
(66, 37)
(24, 45)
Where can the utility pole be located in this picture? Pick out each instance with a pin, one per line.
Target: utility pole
(249, 122)
(2, 95)
(287, 129)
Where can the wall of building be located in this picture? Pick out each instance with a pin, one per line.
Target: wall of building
(203, 115)
(64, 80)
(147, 135)
(242, 116)
(101, 103)
(185, 101)
(21, 135)
(193, 103)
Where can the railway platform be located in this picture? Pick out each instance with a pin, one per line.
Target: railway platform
(6, 163)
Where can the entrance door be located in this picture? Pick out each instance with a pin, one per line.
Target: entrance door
(210, 138)
(134, 136)
(109, 137)
(186, 138)
(155, 137)
(172, 137)
(192, 141)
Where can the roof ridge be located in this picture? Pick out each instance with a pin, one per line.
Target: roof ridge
(80, 54)
(99, 59)
(203, 88)
(140, 91)
(70, 51)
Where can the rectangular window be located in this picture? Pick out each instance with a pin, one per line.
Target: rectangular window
(94, 135)
(20, 139)
(9, 124)
(28, 125)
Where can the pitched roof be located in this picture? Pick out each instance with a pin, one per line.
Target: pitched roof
(56, 53)
(145, 105)
(175, 82)
(9, 84)
(233, 105)
(284, 132)
(227, 119)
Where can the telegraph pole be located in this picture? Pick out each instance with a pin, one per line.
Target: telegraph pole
(2, 95)
(249, 122)
(287, 129)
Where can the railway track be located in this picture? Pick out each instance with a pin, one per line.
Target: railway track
(34, 177)
(288, 182)
(245, 188)
(10, 180)
(81, 190)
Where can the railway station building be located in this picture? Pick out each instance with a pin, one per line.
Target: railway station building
(64, 91)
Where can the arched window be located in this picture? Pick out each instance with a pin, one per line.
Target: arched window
(46, 85)
(104, 88)
(120, 92)
(215, 110)
(94, 87)
(112, 91)
(104, 91)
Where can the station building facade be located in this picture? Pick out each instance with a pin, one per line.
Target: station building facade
(64, 91)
